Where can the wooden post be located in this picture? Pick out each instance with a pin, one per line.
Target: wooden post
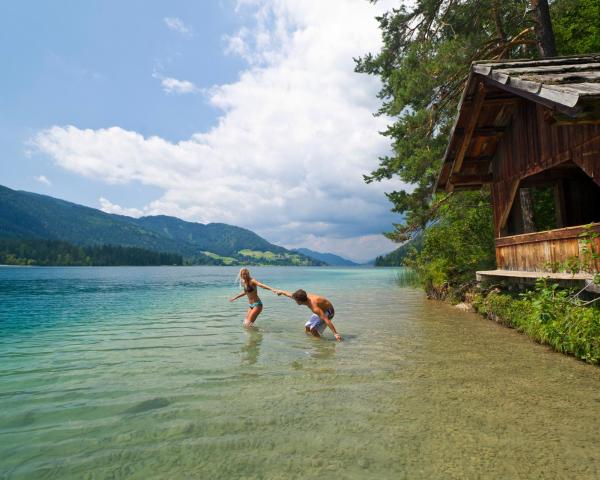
(527, 210)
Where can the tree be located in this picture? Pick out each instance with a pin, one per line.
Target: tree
(540, 11)
(423, 66)
(576, 26)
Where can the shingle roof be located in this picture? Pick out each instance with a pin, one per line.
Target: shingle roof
(561, 80)
(568, 86)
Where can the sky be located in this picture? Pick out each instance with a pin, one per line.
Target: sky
(244, 112)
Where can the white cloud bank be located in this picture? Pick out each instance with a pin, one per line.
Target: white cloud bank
(287, 156)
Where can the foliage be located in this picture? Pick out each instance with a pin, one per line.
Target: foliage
(53, 252)
(544, 208)
(459, 243)
(551, 316)
(423, 65)
(576, 26)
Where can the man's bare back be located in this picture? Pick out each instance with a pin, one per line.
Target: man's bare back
(323, 312)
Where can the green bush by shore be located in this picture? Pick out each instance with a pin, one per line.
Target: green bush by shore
(550, 316)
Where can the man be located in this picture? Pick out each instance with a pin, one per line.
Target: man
(322, 309)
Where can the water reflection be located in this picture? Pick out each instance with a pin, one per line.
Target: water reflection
(251, 349)
(322, 349)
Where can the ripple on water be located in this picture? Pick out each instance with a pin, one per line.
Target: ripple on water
(147, 373)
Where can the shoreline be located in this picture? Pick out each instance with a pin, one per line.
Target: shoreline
(567, 328)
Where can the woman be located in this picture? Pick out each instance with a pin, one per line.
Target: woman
(249, 286)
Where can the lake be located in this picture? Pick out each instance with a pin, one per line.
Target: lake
(146, 372)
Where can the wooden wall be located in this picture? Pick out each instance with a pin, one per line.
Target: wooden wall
(533, 251)
(532, 144)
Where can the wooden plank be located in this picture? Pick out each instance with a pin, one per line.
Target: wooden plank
(562, 78)
(527, 62)
(525, 85)
(531, 274)
(507, 207)
(499, 76)
(493, 101)
(556, 234)
(544, 69)
(475, 179)
(556, 94)
(567, 110)
(472, 123)
(487, 131)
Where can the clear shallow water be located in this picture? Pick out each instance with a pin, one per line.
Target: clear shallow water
(147, 373)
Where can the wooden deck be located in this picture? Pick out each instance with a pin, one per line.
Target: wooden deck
(521, 277)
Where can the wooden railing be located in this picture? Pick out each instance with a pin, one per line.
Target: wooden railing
(535, 252)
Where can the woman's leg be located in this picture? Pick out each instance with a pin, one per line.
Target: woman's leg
(253, 313)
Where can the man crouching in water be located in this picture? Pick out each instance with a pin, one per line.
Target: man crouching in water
(322, 309)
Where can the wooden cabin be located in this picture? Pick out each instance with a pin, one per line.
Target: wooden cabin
(530, 129)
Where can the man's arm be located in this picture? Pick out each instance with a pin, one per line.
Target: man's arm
(241, 294)
(284, 293)
(328, 322)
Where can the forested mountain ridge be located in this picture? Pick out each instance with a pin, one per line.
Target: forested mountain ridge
(29, 215)
(328, 258)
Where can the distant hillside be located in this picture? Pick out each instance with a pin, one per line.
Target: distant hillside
(328, 258)
(396, 258)
(15, 251)
(30, 215)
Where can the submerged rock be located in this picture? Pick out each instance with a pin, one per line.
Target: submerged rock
(465, 307)
(146, 405)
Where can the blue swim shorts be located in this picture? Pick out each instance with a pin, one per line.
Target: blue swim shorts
(315, 323)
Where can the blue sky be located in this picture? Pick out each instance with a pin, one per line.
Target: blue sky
(239, 112)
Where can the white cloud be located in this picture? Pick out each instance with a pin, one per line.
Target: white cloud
(109, 207)
(177, 25)
(44, 180)
(287, 156)
(175, 86)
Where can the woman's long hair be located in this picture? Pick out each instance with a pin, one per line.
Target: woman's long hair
(244, 284)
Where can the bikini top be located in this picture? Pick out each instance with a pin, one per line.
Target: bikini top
(249, 288)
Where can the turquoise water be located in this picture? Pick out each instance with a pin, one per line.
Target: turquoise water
(147, 373)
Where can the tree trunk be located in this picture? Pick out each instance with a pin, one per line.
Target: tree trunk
(527, 210)
(543, 28)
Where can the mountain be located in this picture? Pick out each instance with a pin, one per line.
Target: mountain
(396, 258)
(30, 215)
(328, 258)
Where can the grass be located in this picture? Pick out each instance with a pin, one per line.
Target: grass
(407, 277)
(225, 260)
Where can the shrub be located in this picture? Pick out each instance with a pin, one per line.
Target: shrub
(549, 315)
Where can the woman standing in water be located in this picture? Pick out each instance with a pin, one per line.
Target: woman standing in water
(250, 286)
